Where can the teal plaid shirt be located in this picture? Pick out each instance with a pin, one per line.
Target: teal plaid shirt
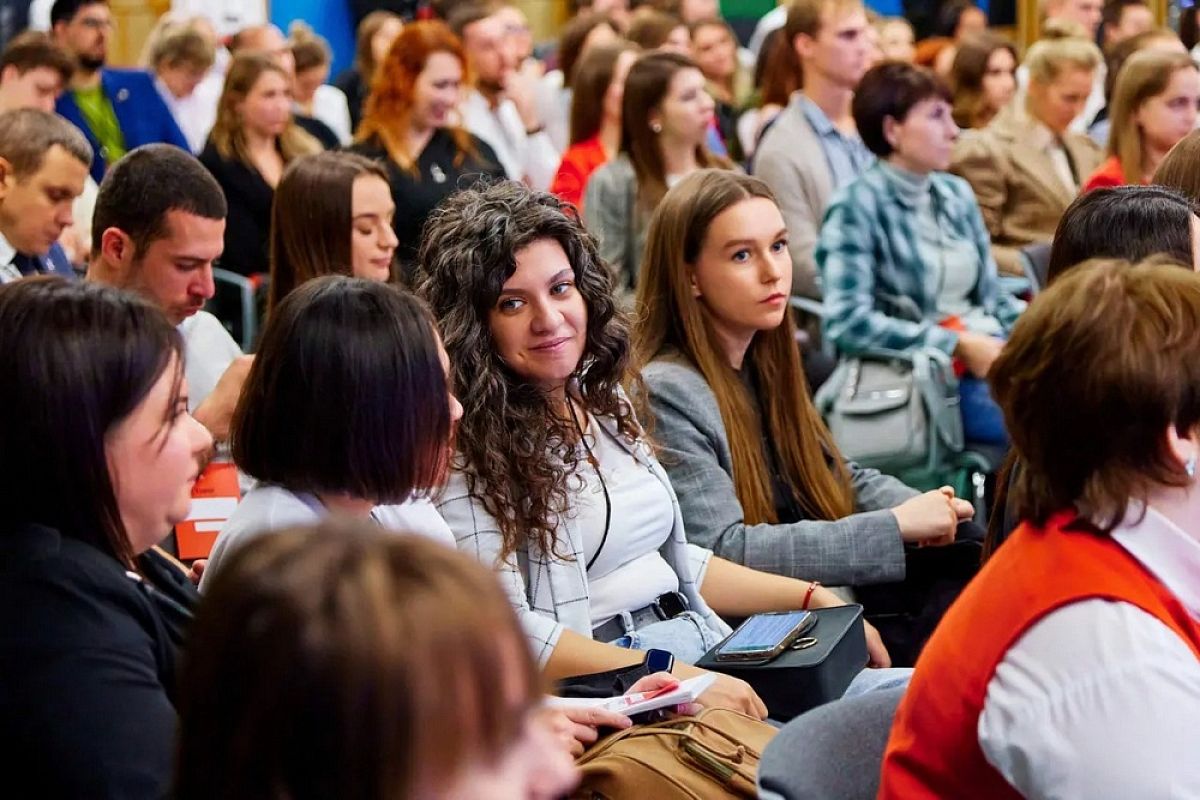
(868, 258)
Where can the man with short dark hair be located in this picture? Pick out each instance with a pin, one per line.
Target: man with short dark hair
(43, 166)
(116, 109)
(159, 227)
(813, 147)
(33, 72)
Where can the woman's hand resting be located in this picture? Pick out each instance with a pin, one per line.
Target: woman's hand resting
(932, 518)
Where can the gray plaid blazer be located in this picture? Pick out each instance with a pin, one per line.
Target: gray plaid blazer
(549, 593)
(863, 548)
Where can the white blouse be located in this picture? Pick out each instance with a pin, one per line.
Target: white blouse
(1100, 699)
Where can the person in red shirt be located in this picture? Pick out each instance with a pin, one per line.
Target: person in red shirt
(595, 118)
(1153, 107)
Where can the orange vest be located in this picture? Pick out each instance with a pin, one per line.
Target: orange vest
(934, 748)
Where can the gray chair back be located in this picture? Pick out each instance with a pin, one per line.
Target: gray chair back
(833, 751)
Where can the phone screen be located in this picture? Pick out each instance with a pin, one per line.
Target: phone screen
(764, 632)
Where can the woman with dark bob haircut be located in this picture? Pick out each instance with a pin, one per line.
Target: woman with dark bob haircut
(98, 455)
(1082, 673)
(903, 252)
(341, 661)
(346, 408)
(554, 483)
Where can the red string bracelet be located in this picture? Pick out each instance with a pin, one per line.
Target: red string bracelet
(812, 587)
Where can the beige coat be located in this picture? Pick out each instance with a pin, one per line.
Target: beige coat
(1018, 188)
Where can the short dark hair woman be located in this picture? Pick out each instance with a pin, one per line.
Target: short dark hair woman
(1098, 386)
(903, 252)
(340, 661)
(346, 408)
(332, 216)
(554, 482)
(98, 454)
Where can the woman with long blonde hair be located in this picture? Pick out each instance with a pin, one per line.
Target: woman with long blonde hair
(251, 143)
(1153, 108)
(759, 478)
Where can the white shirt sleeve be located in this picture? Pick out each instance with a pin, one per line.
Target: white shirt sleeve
(1097, 700)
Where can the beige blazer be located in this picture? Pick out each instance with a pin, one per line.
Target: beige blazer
(1018, 188)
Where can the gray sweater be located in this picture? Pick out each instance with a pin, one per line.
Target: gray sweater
(864, 548)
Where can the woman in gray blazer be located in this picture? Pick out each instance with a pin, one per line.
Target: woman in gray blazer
(759, 478)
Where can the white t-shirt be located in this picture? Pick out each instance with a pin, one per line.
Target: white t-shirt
(331, 107)
(630, 572)
(209, 350)
(266, 508)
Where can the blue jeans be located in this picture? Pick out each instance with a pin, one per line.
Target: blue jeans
(983, 421)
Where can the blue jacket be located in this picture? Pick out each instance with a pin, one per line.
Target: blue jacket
(143, 116)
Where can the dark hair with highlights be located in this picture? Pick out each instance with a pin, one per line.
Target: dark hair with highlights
(515, 450)
(76, 359)
(347, 394)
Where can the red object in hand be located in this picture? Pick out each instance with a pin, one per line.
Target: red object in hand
(953, 323)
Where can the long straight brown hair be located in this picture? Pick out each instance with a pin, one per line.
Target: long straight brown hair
(646, 87)
(669, 316)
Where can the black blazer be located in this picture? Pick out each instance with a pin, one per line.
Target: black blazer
(87, 668)
(248, 224)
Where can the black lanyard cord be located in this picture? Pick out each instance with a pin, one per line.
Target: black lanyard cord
(603, 486)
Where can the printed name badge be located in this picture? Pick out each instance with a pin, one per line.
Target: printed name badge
(214, 497)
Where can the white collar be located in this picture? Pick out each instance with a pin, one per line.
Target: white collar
(7, 251)
(1169, 552)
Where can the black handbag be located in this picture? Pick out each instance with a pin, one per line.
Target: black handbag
(816, 673)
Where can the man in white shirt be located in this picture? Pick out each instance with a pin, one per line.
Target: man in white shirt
(160, 226)
(501, 107)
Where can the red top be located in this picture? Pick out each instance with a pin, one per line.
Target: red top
(934, 748)
(1109, 174)
(578, 164)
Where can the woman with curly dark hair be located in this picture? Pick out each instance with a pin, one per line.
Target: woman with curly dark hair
(555, 483)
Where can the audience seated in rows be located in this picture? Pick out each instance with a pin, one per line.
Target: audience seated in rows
(1154, 105)
(253, 140)
(523, 301)
(597, 92)
(665, 115)
(376, 32)
(1095, 585)
(409, 125)
(830, 42)
(759, 478)
(501, 104)
(340, 342)
(983, 78)
(94, 402)
(44, 163)
(300, 628)
(1026, 166)
(160, 222)
(314, 97)
(904, 254)
(117, 109)
(956, 22)
(332, 216)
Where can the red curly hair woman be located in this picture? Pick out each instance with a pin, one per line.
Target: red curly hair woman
(410, 122)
